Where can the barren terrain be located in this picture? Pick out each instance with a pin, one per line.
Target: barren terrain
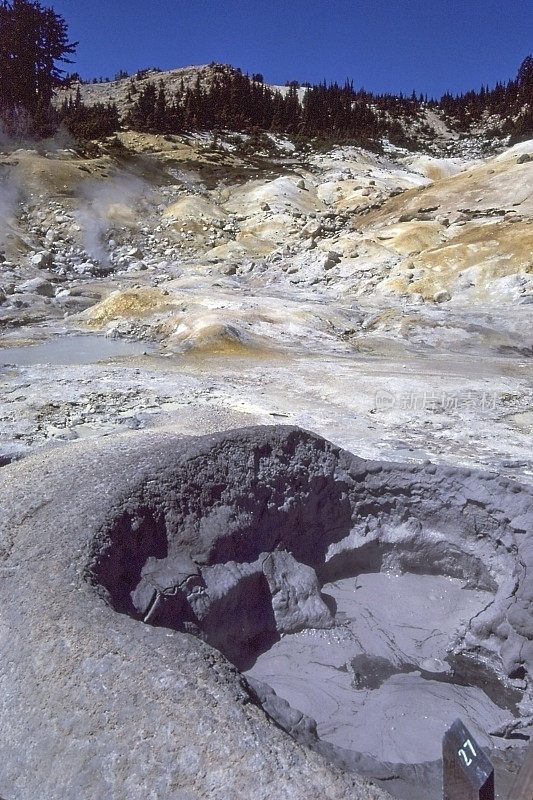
(384, 302)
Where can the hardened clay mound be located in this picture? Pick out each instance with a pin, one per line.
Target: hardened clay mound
(255, 613)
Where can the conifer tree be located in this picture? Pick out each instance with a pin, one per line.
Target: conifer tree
(32, 40)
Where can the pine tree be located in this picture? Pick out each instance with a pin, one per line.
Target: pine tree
(32, 40)
(160, 112)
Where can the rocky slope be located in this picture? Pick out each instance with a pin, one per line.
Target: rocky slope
(389, 295)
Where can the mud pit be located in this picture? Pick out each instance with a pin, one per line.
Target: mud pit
(379, 601)
(387, 655)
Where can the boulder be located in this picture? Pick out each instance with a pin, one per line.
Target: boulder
(42, 260)
(442, 296)
(36, 286)
(332, 259)
(312, 229)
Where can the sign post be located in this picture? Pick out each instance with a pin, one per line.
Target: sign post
(467, 773)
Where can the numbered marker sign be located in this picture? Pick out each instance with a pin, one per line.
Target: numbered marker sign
(466, 771)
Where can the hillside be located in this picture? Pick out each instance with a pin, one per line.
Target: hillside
(473, 124)
(116, 91)
(211, 250)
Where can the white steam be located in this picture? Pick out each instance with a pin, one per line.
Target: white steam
(107, 205)
(9, 196)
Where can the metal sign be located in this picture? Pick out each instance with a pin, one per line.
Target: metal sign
(466, 771)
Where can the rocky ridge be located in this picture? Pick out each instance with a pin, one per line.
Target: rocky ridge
(427, 126)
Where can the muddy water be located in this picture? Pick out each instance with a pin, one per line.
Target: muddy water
(70, 350)
(378, 682)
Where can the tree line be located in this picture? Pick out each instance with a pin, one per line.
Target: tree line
(511, 102)
(233, 101)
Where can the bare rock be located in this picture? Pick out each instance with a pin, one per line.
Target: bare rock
(42, 260)
(332, 259)
(38, 286)
(312, 229)
(442, 297)
(407, 217)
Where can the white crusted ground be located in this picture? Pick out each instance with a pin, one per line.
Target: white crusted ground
(383, 301)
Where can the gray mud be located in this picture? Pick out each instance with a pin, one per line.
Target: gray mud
(386, 655)
(169, 566)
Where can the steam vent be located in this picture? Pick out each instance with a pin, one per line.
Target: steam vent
(254, 614)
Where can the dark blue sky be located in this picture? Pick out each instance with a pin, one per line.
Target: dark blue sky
(384, 45)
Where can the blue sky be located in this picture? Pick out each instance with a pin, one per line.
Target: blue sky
(384, 45)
